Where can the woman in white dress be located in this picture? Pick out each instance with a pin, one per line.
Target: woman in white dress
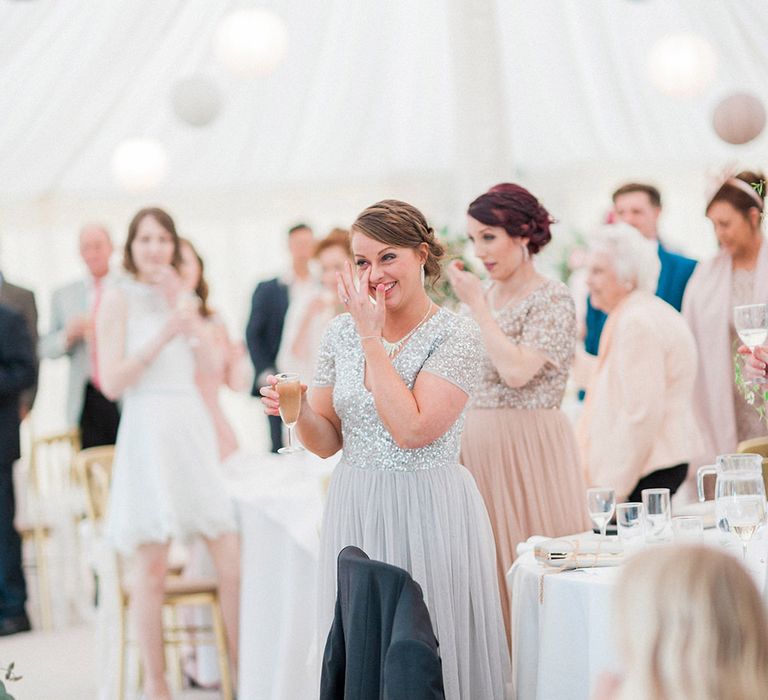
(165, 482)
(391, 387)
(307, 317)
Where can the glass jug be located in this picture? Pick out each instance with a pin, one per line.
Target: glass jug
(729, 463)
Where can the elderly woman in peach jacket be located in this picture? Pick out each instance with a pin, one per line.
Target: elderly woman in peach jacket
(637, 430)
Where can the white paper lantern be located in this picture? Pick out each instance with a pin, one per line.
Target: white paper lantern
(139, 164)
(196, 100)
(682, 65)
(250, 42)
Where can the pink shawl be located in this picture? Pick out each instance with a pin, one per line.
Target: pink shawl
(708, 309)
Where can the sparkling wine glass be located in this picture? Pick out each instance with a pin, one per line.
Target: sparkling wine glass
(751, 323)
(601, 502)
(289, 388)
(740, 505)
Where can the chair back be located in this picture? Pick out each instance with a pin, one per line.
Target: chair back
(51, 462)
(94, 468)
(758, 446)
(382, 643)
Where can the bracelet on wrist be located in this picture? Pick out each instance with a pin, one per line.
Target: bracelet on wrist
(370, 337)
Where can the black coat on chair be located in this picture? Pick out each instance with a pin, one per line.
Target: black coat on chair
(381, 644)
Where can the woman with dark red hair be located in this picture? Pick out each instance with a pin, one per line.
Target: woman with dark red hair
(518, 445)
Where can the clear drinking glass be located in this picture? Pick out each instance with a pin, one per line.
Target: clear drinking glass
(658, 515)
(630, 522)
(740, 505)
(289, 388)
(601, 503)
(687, 528)
(751, 323)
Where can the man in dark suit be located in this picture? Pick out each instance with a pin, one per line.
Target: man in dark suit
(23, 301)
(18, 371)
(639, 205)
(268, 308)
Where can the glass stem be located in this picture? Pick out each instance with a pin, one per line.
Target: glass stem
(603, 529)
(744, 550)
(290, 442)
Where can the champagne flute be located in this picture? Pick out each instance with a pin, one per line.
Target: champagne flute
(751, 323)
(289, 389)
(740, 505)
(601, 502)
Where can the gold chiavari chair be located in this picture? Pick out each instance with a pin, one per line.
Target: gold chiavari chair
(94, 466)
(49, 478)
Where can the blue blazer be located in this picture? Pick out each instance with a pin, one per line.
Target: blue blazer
(265, 326)
(675, 272)
(18, 371)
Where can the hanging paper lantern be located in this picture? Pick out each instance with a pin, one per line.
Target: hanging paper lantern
(139, 164)
(739, 118)
(250, 42)
(682, 65)
(196, 100)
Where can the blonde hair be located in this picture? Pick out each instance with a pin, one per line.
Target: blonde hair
(634, 257)
(691, 626)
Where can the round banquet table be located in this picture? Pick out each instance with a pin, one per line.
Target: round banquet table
(562, 636)
(280, 502)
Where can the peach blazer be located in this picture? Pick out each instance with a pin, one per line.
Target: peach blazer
(638, 414)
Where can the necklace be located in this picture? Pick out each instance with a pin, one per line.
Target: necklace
(393, 348)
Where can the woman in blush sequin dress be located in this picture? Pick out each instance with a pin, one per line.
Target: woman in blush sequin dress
(390, 390)
(517, 443)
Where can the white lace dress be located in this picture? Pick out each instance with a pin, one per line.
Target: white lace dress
(418, 509)
(166, 481)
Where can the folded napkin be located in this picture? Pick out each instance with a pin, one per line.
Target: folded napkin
(578, 552)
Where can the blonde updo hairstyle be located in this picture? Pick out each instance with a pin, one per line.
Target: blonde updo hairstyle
(401, 225)
(690, 625)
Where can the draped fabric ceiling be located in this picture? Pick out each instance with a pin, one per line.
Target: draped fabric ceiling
(431, 101)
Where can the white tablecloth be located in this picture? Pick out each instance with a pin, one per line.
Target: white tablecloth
(280, 501)
(562, 636)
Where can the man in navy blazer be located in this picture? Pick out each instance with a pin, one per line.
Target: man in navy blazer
(18, 372)
(269, 305)
(639, 205)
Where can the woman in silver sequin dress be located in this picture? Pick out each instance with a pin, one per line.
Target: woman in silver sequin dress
(517, 443)
(392, 383)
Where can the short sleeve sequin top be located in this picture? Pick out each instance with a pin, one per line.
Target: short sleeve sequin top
(447, 345)
(546, 321)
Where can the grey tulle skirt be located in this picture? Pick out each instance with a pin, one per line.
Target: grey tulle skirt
(434, 524)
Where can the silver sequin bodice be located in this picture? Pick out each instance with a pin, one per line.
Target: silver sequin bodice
(446, 345)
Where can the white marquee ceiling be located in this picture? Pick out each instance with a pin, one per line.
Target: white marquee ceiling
(367, 90)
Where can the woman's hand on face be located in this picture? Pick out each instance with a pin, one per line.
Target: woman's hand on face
(468, 288)
(755, 361)
(169, 281)
(270, 399)
(369, 319)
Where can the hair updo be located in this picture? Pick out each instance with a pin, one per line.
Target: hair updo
(401, 225)
(517, 211)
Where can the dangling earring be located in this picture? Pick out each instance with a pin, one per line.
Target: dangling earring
(423, 276)
(526, 253)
